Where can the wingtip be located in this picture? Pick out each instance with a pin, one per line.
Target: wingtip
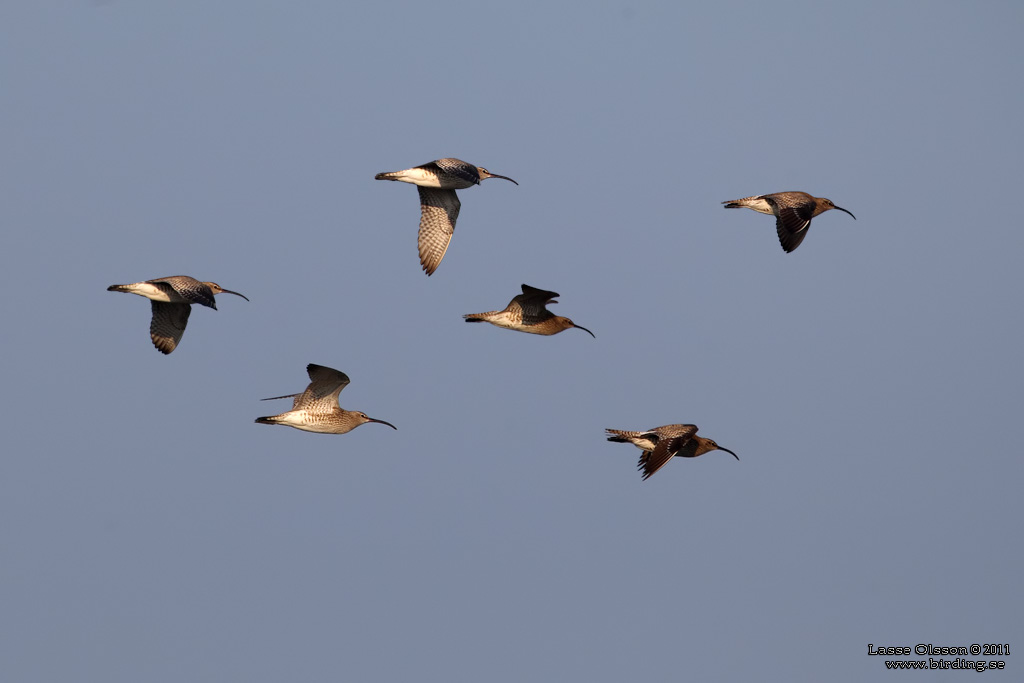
(162, 348)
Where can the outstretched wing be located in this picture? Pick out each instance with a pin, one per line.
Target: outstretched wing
(533, 304)
(792, 222)
(439, 209)
(665, 449)
(168, 324)
(322, 393)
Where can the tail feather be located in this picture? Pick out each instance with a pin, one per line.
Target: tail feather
(618, 436)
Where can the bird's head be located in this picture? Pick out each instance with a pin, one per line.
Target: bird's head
(485, 174)
(710, 445)
(566, 324)
(364, 418)
(217, 289)
(829, 205)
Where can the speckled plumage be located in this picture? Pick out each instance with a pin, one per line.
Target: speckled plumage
(793, 212)
(316, 409)
(527, 312)
(661, 444)
(172, 299)
(439, 205)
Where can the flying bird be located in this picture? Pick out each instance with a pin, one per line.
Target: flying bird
(660, 444)
(793, 212)
(172, 299)
(527, 312)
(316, 409)
(439, 205)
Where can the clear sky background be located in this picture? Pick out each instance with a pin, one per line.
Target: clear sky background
(870, 382)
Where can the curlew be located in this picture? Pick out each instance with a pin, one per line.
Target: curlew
(527, 313)
(316, 409)
(793, 212)
(172, 299)
(439, 205)
(661, 443)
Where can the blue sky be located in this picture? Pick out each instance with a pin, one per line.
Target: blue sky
(870, 382)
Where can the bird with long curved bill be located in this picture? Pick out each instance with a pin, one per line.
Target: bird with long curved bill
(316, 409)
(528, 313)
(172, 299)
(661, 444)
(439, 205)
(793, 212)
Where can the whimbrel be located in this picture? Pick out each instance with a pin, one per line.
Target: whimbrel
(661, 443)
(527, 313)
(172, 299)
(793, 212)
(439, 205)
(316, 409)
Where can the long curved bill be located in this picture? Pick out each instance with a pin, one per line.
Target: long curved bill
(839, 208)
(370, 419)
(729, 452)
(503, 177)
(585, 330)
(228, 291)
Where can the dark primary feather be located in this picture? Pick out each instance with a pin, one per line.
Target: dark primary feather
(539, 294)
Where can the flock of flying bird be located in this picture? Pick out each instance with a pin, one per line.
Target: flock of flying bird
(317, 408)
